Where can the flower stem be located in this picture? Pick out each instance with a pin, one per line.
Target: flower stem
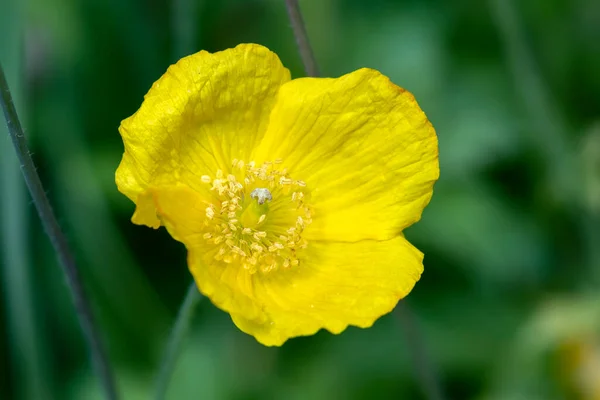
(59, 242)
(175, 341)
(306, 53)
(426, 373)
(183, 22)
(548, 125)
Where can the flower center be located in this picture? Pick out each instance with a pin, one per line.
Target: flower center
(256, 216)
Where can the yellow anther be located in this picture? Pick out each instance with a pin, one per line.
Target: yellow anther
(205, 178)
(257, 247)
(210, 213)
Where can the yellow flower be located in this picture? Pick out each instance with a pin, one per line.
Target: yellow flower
(289, 195)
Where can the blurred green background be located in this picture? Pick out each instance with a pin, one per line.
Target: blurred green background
(509, 304)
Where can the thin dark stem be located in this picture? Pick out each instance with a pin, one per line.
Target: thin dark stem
(59, 242)
(424, 369)
(308, 58)
(175, 341)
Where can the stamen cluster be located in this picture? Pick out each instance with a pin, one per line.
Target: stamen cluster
(260, 236)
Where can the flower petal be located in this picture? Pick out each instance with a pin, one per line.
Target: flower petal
(205, 111)
(335, 285)
(229, 286)
(364, 147)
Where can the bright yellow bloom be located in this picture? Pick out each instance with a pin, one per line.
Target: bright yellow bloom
(289, 195)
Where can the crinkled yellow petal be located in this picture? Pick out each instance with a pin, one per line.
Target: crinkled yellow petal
(363, 146)
(229, 286)
(205, 111)
(336, 284)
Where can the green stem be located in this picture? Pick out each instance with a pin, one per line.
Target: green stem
(175, 341)
(23, 325)
(548, 126)
(184, 28)
(426, 374)
(299, 28)
(59, 242)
